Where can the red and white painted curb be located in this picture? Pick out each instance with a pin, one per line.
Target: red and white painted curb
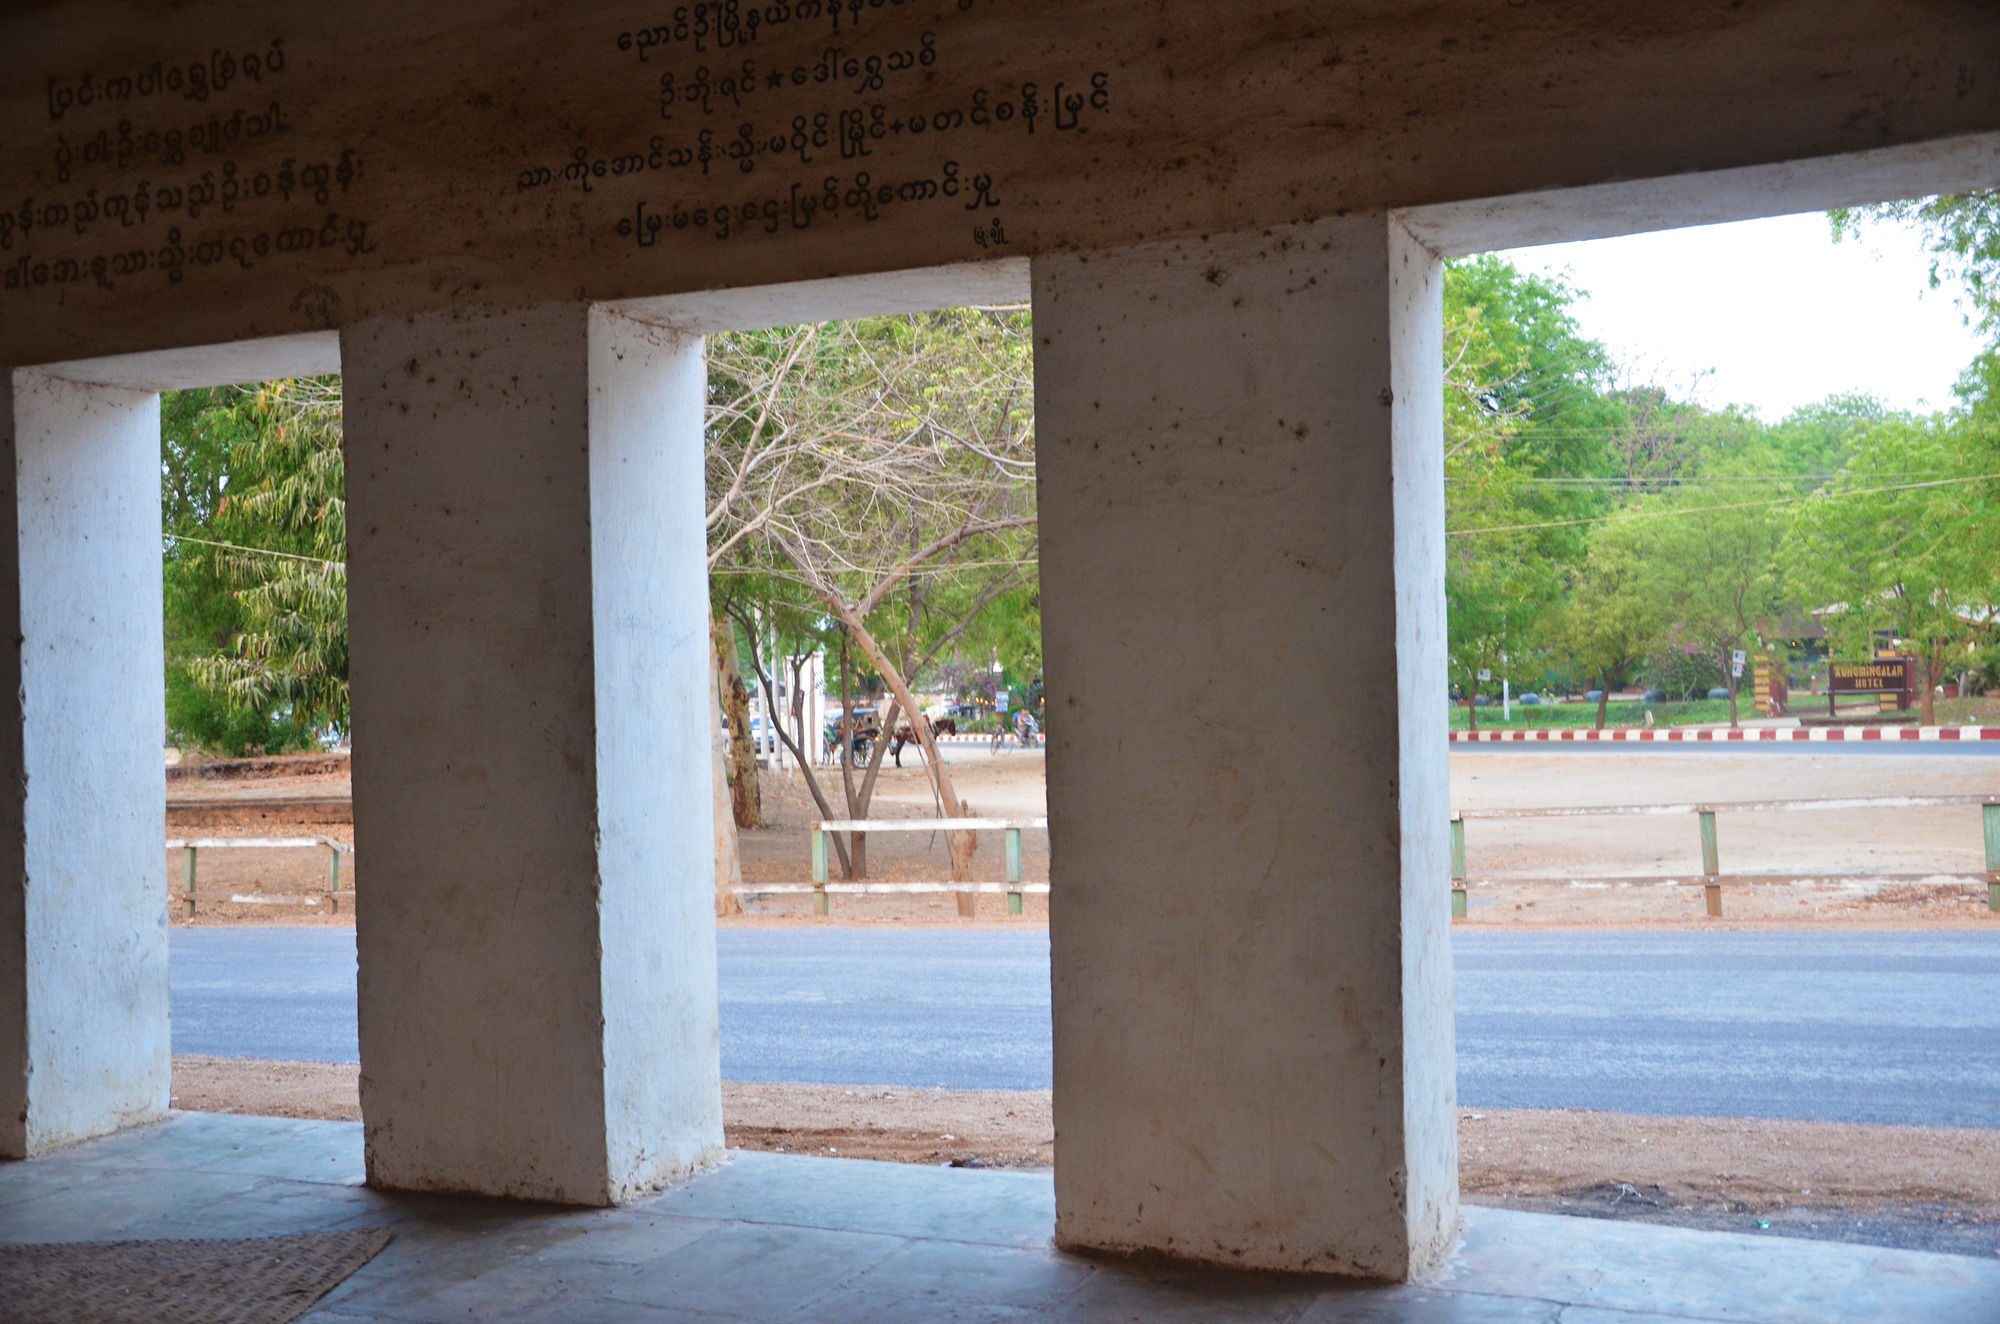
(1748, 735)
(1682, 735)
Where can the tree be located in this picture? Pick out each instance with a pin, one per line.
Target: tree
(1700, 562)
(1607, 627)
(1523, 406)
(256, 586)
(1962, 231)
(740, 770)
(872, 488)
(286, 517)
(197, 430)
(1881, 548)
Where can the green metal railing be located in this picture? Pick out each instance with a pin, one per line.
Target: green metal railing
(823, 890)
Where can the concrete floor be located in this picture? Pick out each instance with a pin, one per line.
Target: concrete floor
(771, 1237)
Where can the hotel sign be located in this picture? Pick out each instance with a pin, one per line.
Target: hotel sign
(1883, 675)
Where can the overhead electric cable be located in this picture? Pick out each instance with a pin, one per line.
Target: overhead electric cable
(254, 551)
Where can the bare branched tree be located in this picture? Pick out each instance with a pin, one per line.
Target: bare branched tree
(876, 480)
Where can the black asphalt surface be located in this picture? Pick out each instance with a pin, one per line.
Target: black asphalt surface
(1863, 1027)
(1836, 1027)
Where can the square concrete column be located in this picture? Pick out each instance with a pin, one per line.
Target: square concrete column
(1242, 530)
(528, 611)
(84, 1045)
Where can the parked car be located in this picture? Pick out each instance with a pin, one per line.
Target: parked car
(1656, 696)
(1529, 699)
(1592, 696)
(1718, 693)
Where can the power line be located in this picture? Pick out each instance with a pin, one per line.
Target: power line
(1702, 510)
(254, 551)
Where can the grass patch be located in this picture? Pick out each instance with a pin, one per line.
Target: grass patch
(1583, 714)
(1984, 710)
(1981, 711)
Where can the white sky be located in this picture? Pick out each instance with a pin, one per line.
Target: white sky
(1771, 314)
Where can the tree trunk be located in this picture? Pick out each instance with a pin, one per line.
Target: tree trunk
(857, 842)
(1472, 708)
(799, 703)
(805, 766)
(1730, 672)
(859, 800)
(1927, 709)
(745, 801)
(728, 857)
(962, 843)
(1603, 697)
(890, 716)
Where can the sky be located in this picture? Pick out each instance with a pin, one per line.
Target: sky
(1771, 314)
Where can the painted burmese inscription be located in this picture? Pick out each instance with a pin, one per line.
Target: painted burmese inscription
(206, 171)
(779, 117)
(173, 168)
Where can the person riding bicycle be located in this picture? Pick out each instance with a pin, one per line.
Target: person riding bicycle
(1024, 727)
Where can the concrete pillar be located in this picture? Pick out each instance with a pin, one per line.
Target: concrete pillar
(84, 1046)
(528, 610)
(1241, 487)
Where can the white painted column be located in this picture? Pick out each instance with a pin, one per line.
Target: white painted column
(1242, 520)
(84, 1047)
(528, 608)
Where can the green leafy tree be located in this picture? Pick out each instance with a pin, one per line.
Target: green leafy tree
(1609, 627)
(1700, 563)
(1962, 231)
(255, 575)
(1907, 539)
(1814, 441)
(1524, 408)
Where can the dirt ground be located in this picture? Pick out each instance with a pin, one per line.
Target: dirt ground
(1934, 1186)
(1780, 869)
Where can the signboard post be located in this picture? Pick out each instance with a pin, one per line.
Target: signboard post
(1770, 685)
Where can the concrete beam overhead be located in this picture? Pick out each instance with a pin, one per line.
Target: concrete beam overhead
(243, 169)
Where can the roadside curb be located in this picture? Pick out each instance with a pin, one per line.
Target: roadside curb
(1751, 735)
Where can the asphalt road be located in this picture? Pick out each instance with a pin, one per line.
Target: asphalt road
(1864, 1027)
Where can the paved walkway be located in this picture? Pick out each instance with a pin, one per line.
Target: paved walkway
(776, 1237)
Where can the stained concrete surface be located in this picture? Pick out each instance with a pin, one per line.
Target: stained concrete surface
(83, 978)
(564, 1045)
(780, 1237)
